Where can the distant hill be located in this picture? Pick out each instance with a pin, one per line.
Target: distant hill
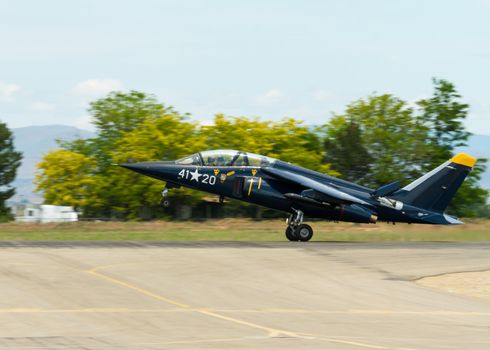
(33, 142)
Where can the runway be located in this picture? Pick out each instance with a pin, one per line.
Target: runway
(238, 295)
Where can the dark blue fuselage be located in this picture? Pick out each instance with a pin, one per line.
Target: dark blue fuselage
(255, 185)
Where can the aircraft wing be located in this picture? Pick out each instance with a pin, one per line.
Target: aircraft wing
(335, 195)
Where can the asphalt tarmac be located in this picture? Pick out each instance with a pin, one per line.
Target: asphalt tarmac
(238, 295)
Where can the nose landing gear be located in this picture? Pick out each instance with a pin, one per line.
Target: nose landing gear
(296, 230)
(164, 202)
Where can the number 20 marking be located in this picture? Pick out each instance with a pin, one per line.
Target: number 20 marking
(208, 179)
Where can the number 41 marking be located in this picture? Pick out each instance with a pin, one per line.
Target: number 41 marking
(184, 174)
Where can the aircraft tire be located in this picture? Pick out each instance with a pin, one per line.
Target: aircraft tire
(291, 234)
(304, 232)
(165, 203)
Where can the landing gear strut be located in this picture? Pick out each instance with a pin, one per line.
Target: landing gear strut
(164, 202)
(296, 230)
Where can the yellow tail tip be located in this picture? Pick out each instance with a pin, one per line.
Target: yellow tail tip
(464, 159)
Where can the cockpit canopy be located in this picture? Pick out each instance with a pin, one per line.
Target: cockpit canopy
(226, 157)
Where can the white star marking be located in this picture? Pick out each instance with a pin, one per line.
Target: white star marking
(195, 175)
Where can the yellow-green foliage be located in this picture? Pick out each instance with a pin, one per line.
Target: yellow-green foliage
(67, 178)
(158, 138)
(133, 128)
(288, 140)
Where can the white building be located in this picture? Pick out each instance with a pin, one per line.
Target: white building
(45, 213)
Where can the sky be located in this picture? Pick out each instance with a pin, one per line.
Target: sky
(304, 59)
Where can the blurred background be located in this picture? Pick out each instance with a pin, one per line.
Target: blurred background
(371, 92)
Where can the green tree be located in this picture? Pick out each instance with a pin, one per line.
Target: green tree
(345, 150)
(384, 132)
(402, 144)
(9, 162)
(120, 112)
(113, 116)
(444, 114)
(470, 200)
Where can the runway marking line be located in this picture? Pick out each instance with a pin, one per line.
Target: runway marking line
(136, 288)
(285, 311)
(197, 341)
(360, 312)
(272, 332)
(182, 305)
(87, 310)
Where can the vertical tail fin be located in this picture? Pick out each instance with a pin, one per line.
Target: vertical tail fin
(437, 188)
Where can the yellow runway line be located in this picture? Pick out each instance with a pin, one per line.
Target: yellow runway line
(360, 312)
(247, 311)
(185, 306)
(138, 289)
(196, 341)
(88, 310)
(271, 332)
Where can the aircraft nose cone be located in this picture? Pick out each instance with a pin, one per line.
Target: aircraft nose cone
(142, 168)
(158, 170)
(132, 166)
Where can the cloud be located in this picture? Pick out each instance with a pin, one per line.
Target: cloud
(272, 95)
(42, 107)
(7, 91)
(97, 87)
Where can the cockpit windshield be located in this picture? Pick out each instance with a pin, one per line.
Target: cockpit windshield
(226, 158)
(190, 160)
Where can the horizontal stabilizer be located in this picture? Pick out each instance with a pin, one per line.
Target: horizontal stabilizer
(386, 189)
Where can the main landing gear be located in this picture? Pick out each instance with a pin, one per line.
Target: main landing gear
(296, 230)
(164, 202)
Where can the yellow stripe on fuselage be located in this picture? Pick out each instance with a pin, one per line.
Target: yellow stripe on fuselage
(250, 187)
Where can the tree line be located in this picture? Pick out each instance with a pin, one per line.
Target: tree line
(9, 162)
(375, 140)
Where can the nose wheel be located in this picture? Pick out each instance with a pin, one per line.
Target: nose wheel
(296, 230)
(164, 202)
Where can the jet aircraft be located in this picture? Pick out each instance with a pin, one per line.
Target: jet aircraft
(301, 192)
